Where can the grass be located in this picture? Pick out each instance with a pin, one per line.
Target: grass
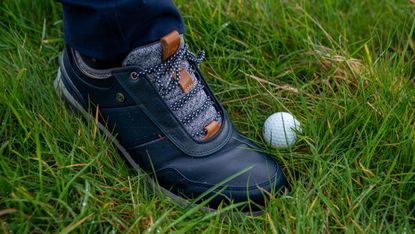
(343, 67)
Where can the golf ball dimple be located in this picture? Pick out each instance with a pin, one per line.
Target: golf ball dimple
(280, 129)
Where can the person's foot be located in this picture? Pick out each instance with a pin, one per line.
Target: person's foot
(164, 119)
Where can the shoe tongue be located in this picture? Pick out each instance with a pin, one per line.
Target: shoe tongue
(151, 55)
(194, 109)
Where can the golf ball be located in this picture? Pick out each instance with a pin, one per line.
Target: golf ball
(280, 129)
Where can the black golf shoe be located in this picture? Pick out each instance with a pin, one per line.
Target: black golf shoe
(164, 119)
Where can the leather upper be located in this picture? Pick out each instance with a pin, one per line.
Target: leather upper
(158, 142)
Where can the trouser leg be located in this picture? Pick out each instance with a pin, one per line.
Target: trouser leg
(108, 29)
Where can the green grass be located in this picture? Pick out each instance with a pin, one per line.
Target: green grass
(345, 68)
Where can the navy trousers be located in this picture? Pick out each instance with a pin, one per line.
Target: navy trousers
(108, 29)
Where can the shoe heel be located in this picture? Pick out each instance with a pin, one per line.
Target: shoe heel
(63, 94)
(58, 85)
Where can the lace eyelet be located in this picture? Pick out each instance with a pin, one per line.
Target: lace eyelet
(134, 75)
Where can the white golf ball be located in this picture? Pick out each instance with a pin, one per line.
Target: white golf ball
(280, 129)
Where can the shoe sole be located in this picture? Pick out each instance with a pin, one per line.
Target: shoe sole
(63, 92)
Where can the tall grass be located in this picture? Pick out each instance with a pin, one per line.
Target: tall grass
(345, 68)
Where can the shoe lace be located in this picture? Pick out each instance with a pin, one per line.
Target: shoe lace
(171, 67)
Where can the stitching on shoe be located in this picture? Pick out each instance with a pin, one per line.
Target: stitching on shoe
(273, 178)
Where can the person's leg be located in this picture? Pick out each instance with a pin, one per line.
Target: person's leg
(109, 29)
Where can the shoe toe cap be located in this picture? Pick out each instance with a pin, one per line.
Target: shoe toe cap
(239, 175)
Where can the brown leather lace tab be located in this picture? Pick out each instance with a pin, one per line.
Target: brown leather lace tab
(211, 130)
(170, 43)
(186, 82)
